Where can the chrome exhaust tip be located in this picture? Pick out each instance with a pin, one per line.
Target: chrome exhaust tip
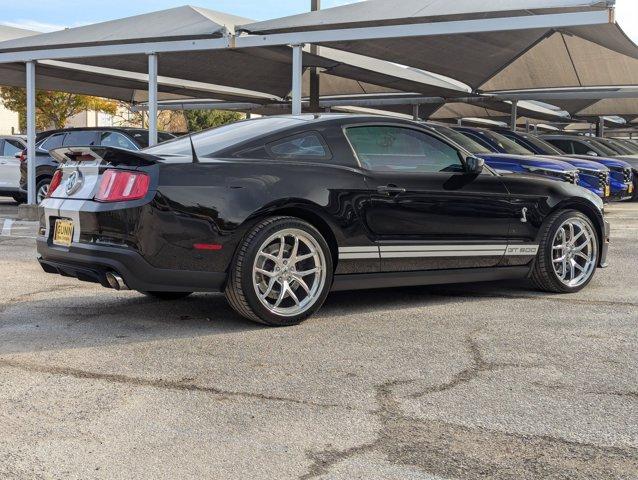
(115, 281)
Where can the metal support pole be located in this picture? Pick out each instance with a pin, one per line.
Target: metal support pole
(600, 127)
(31, 198)
(514, 114)
(297, 73)
(459, 122)
(536, 128)
(415, 112)
(315, 5)
(152, 99)
(527, 125)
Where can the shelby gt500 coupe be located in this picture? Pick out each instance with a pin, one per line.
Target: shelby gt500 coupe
(278, 211)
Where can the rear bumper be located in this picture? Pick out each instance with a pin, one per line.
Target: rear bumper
(91, 263)
(604, 245)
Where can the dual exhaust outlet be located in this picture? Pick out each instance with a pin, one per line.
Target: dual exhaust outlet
(115, 281)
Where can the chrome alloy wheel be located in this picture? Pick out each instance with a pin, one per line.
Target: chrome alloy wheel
(574, 252)
(42, 192)
(289, 272)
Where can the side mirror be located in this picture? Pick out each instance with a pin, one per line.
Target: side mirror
(474, 165)
(591, 153)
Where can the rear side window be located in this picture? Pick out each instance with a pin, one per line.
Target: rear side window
(81, 139)
(11, 147)
(387, 148)
(52, 142)
(308, 145)
(116, 139)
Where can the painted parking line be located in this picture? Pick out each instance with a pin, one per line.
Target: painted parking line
(6, 227)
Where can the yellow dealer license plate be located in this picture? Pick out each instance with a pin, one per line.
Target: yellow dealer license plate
(63, 232)
(607, 190)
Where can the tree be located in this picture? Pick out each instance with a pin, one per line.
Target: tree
(53, 109)
(198, 120)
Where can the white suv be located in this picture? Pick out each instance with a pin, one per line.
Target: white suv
(10, 148)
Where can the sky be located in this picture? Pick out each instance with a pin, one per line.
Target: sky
(48, 15)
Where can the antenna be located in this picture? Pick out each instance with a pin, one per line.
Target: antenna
(195, 157)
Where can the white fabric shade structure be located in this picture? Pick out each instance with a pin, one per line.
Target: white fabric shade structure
(488, 45)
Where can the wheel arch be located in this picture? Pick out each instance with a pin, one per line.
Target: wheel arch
(590, 211)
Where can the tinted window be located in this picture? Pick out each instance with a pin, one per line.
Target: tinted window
(387, 148)
(209, 142)
(306, 145)
(116, 139)
(54, 141)
(507, 145)
(466, 142)
(599, 147)
(11, 147)
(81, 139)
(542, 146)
(564, 145)
(581, 148)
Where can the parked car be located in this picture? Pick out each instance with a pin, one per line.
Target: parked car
(127, 138)
(620, 174)
(592, 176)
(278, 211)
(630, 144)
(10, 146)
(591, 147)
(510, 163)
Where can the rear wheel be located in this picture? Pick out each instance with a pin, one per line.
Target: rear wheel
(568, 254)
(42, 190)
(167, 295)
(282, 272)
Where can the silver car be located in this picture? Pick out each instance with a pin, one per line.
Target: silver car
(10, 148)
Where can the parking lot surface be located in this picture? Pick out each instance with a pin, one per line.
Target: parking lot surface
(457, 382)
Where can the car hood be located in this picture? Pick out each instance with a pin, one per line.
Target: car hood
(606, 161)
(582, 163)
(529, 161)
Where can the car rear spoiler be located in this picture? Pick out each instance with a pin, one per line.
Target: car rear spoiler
(106, 155)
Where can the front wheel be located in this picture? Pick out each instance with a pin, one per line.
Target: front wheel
(568, 254)
(281, 273)
(42, 190)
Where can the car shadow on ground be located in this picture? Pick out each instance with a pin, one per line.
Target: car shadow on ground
(120, 318)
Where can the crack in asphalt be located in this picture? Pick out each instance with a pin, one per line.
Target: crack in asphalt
(177, 385)
(27, 296)
(612, 393)
(448, 450)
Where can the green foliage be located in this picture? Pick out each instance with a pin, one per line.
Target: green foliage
(53, 109)
(198, 120)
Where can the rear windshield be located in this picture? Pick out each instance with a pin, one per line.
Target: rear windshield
(209, 142)
(141, 137)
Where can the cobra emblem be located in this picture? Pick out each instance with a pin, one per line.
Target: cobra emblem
(74, 182)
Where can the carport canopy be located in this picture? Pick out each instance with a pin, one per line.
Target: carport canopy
(488, 45)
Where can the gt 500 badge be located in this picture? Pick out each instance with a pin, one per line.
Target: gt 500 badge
(522, 250)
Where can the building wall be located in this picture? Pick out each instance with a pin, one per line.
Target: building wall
(9, 121)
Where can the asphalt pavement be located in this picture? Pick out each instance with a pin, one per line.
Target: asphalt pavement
(453, 382)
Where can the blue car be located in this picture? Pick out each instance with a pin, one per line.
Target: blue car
(621, 182)
(593, 176)
(509, 163)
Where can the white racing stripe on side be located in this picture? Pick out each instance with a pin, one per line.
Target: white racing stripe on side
(436, 251)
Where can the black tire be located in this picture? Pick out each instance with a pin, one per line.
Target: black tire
(19, 199)
(543, 275)
(240, 291)
(167, 296)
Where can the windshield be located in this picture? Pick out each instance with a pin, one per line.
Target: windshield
(461, 140)
(618, 146)
(509, 146)
(546, 147)
(604, 149)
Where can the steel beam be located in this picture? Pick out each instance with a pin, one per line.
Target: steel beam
(31, 131)
(297, 74)
(152, 99)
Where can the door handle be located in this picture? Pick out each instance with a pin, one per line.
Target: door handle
(390, 189)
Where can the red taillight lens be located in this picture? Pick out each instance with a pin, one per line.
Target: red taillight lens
(55, 182)
(121, 185)
(23, 156)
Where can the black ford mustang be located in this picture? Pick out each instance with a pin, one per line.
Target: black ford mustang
(278, 211)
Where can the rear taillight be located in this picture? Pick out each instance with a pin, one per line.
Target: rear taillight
(55, 182)
(23, 156)
(121, 185)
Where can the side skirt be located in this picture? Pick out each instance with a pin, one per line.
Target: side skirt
(364, 281)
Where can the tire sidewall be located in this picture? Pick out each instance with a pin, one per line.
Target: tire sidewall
(545, 254)
(247, 272)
